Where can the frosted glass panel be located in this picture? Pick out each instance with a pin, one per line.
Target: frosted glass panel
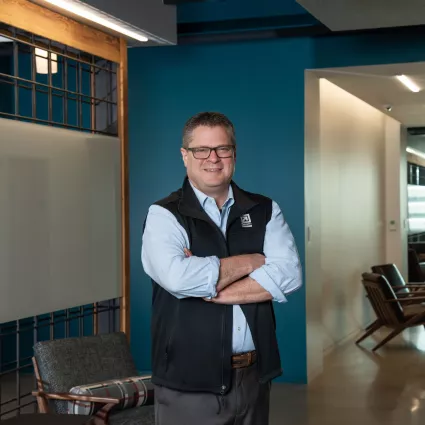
(416, 208)
(60, 219)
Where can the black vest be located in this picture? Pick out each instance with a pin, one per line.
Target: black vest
(192, 338)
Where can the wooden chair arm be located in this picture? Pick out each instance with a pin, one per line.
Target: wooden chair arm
(409, 285)
(75, 397)
(408, 299)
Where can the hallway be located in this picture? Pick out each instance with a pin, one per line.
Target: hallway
(359, 387)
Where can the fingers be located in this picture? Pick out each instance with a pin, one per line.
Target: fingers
(187, 252)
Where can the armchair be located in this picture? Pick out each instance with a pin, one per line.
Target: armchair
(389, 309)
(63, 364)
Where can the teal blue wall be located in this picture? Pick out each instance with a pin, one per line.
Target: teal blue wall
(260, 86)
(245, 82)
(217, 10)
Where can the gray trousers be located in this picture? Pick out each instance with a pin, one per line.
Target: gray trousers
(247, 403)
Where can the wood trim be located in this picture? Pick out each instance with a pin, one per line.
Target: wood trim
(123, 136)
(54, 26)
(43, 406)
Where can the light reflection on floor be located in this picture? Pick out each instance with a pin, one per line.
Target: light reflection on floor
(361, 387)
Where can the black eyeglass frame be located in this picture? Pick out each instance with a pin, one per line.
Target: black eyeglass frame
(231, 148)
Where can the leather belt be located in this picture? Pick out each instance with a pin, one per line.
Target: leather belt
(244, 359)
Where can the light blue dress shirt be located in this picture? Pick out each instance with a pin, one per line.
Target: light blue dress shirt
(163, 259)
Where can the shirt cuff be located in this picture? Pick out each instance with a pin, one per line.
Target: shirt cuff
(214, 275)
(262, 277)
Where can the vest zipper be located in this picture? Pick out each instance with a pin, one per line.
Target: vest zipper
(223, 320)
(223, 329)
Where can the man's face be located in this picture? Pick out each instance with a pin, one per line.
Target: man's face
(216, 171)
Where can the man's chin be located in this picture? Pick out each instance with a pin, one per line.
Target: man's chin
(216, 182)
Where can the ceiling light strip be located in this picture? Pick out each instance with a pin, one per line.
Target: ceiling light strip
(87, 12)
(408, 83)
(416, 152)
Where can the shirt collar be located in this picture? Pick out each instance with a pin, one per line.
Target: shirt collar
(202, 198)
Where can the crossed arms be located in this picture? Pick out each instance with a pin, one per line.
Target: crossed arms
(234, 286)
(234, 280)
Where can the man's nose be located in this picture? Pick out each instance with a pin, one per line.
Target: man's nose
(213, 157)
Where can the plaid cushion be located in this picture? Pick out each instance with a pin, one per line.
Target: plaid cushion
(132, 392)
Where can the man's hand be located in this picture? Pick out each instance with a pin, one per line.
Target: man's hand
(244, 291)
(234, 268)
(230, 287)
(257, 260)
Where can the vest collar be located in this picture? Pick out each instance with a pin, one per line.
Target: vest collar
(189, 204)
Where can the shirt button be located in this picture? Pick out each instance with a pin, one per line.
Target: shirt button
(239, 328)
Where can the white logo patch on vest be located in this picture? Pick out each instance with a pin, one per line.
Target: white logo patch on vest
(246, 220)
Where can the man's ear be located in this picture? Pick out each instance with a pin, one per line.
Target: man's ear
(184, 153)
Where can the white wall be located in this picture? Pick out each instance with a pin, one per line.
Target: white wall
(313, 228)
(354, 205)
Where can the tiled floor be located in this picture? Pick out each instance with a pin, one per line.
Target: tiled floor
(360, 388)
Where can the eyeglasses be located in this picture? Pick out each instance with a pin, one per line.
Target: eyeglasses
(220, 151)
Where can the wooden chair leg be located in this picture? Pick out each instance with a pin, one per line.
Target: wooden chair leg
(370, 330)
(371, 325)
(388, 338)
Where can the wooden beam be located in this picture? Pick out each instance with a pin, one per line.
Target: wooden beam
(123, 136)
(415, 159)
(54, 26)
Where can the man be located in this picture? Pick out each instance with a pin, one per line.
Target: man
(218, 256)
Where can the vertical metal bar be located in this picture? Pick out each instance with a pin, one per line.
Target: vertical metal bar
(52, 326)
(114, 316)
(95, 319)
(106, 97)
(110, 96)
(65, 86)
(49, 82)
(80, 91)
(18, 371)
(34, 79)
(110, 313)
(16, 72)
(93, 94)
(35, 340)
(67, 323)
(81, 321)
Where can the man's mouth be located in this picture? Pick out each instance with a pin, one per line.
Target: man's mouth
(213, 170)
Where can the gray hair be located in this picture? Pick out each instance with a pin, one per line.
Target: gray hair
(208, 119)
